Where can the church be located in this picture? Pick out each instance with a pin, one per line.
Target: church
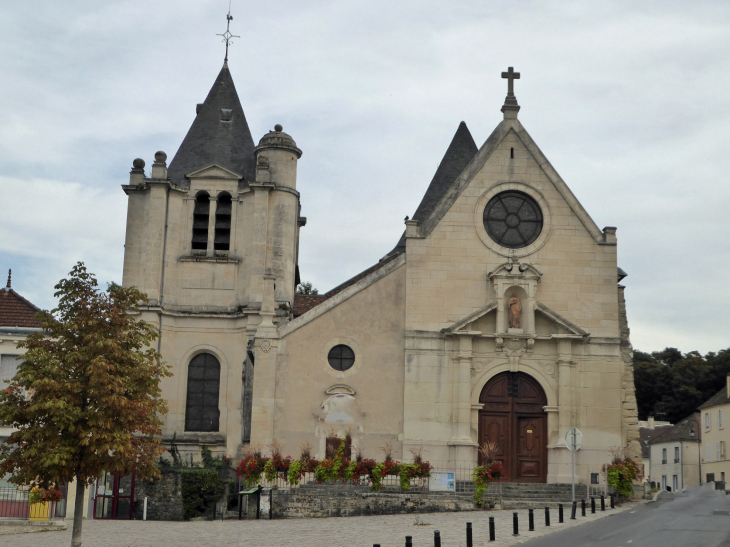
(497, 316)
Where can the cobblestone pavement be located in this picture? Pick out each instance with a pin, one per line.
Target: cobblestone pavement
(6, 530)
(388, 531)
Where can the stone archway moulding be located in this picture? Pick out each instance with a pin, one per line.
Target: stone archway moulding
(482, 380)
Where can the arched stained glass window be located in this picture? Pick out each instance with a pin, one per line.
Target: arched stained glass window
(201, 410)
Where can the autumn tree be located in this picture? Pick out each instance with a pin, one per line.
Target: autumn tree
(86, 397)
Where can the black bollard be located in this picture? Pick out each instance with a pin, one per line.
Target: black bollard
(603, 502)
(572, 513)
(436, 538)
(492, 535)
(560, 513)
(409, 541)
(612, 506)
(515, 526)
(593, 505)
(531, 521)
(547, 516)
(583, 508)
(468, 535)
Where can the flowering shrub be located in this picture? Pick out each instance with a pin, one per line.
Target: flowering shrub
(277, 467)
(410, 471)
(41, 495)
(251, 468)
(621, 475)
(254, 466)
(483, 475)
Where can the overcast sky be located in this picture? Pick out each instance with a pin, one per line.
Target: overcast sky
(630, 102)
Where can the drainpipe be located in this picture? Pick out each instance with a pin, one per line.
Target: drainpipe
(162, 271)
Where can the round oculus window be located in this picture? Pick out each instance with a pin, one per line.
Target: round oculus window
(513, 219)
(341, 357)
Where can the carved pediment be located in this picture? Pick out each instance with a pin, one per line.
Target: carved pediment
(214, 171)
(554, 317)
(472, 318)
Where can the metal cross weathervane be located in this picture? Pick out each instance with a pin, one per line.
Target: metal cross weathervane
(227, 36)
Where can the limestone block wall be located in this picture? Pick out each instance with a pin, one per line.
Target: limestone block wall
(164, 498)
(333, 501)
(447, 269)
(183, 337)
(371, 322)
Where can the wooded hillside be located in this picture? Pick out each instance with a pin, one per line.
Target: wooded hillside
(671, 385)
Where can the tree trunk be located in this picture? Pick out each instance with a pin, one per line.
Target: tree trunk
(78, 513)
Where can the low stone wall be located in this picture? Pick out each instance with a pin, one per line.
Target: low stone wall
(312, 501)
(164, 498)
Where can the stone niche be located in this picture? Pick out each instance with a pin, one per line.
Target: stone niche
(522, 280)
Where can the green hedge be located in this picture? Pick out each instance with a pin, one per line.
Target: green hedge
(200, 489)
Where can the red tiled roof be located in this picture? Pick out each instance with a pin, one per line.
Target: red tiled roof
(16, 311)
(305, 302)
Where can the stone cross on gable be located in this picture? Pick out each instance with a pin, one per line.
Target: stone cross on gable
(511, 76)
(510, 107)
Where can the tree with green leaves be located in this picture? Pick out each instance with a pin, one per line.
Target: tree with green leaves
(306, 288)
(86, 397)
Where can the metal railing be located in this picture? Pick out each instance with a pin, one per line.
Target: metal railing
(14, 504)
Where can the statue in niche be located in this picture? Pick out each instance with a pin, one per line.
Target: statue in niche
(515, 308)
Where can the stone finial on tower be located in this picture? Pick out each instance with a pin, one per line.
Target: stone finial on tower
(159, 168)
(510, 108)
(280, 158)
(7, 287)
(136, 175)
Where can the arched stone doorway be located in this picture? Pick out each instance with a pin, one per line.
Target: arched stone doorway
(512, 415)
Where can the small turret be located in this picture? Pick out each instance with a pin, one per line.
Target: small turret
(276, 158)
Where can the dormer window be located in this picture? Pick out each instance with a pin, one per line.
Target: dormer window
(201, 214)
(223, 222)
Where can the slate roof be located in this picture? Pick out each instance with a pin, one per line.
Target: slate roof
(16, 311)
(681, 431)
(719, 398)
(648, 433)
(458, 155)
(212, 140)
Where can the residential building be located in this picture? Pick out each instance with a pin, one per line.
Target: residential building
(675, 456)
(716, 435)
(648, 429)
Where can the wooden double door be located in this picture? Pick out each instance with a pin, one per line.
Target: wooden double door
(513, 417)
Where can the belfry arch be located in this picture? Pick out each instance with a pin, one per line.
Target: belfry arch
(513, 417)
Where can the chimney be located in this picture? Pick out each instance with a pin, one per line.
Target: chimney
(651, 422)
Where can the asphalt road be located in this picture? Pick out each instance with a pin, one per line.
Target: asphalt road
(699, 517)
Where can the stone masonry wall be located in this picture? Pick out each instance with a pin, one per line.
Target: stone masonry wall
(630, 408)
(346, 501)
(164, 498)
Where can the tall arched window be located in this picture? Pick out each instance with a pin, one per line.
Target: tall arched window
(223, 222)
(201, 410)
(200, 221)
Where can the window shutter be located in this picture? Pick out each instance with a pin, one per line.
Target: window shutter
(717, 450)
(707, 453)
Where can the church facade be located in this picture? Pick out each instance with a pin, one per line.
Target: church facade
(497, 318)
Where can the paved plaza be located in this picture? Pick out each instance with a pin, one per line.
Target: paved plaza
(388, 531)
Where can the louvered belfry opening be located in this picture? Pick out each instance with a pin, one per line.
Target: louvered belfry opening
(201, 408)
(200, 221)
(223, 222)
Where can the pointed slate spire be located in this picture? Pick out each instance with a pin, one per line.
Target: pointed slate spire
(458, 155)
(219, 134)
